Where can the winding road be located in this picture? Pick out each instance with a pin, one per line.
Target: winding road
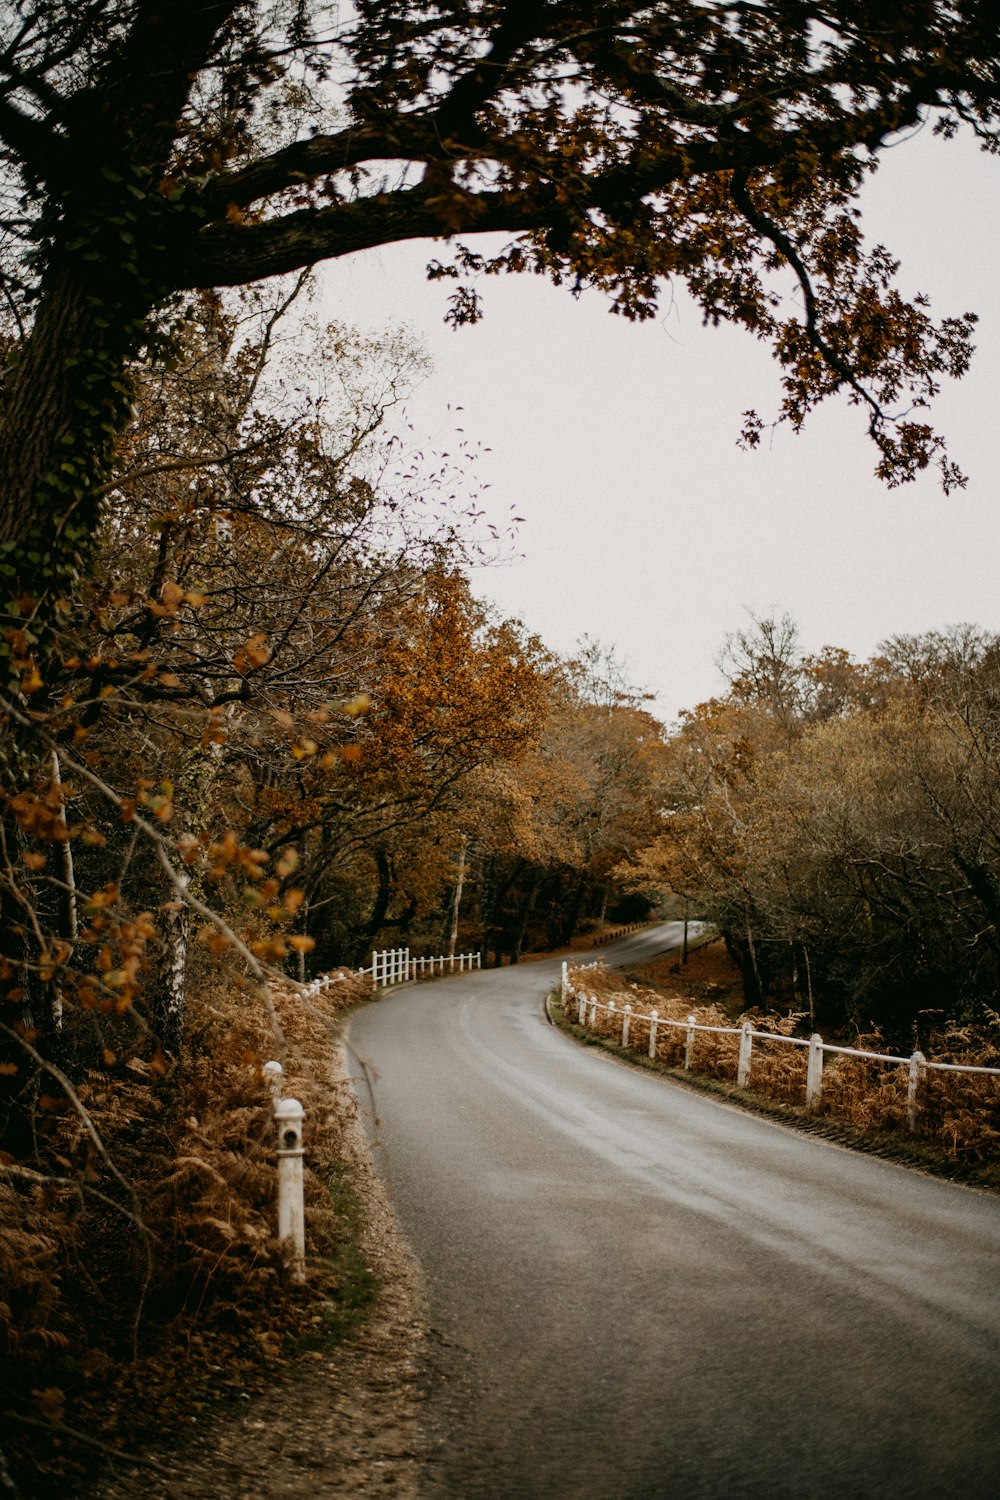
(637, 1291)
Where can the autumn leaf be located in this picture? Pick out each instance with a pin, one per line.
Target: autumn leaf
(255, 653)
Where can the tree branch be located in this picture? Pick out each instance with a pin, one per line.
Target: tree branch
(229, 255)
(773, 232)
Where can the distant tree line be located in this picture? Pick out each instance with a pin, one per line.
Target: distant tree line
(839, 822)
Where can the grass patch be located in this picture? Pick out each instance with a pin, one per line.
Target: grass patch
(354, 1287)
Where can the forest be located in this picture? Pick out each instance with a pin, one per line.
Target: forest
(285, 731)
(838, 821)
(255, 720)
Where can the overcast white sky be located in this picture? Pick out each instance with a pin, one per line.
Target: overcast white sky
(646, 527)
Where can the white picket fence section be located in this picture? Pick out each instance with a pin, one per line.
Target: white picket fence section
(395, 966)
(918, 1065)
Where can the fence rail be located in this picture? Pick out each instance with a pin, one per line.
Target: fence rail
(396, 966)
(391, 966)
(588, 1006)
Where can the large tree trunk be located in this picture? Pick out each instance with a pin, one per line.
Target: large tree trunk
(65, 402)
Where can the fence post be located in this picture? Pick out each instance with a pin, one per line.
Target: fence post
(626, 1018)
(592, 1019)
(288, 1115)
(406, 975)
(814, 1071)
(479, 960)
(918, 1067)
(611, 1014)
(581, 1009)
(654, 1016)
(689, 1037)
(374, 970)
(564, 982)
(746, 1048)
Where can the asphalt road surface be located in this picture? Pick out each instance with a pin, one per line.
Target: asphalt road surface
(638, 1291)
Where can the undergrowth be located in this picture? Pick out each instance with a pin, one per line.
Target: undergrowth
(133, 1302)
(863, 1103)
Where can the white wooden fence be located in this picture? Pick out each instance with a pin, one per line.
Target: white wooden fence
(396, 966)
(587, 1007)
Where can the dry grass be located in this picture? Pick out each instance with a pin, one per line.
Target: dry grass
(121, 1307)
(959, 1113)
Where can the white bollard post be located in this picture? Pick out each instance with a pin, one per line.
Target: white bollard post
(918, 1070)
(592, 1018)
(479, 960)
(564, 982)
(814, 1071)
(626, 1018)
(611, 1014)
(689, 1037)
(581, 1009)
(406, 974)
(374, 970)
(746, 1048)
(288, 1114)
(273, 1075)
(654, 1016)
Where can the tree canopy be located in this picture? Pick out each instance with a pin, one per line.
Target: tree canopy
(837, 820)
(150, 151)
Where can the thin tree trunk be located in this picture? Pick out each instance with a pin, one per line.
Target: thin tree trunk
(527, 909)
(809, 987)
(70, 921)
(602, 912)
(176, 973)
(456, 904)
(758, 984)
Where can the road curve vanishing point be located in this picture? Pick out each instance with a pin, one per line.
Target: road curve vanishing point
(638, 1291)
